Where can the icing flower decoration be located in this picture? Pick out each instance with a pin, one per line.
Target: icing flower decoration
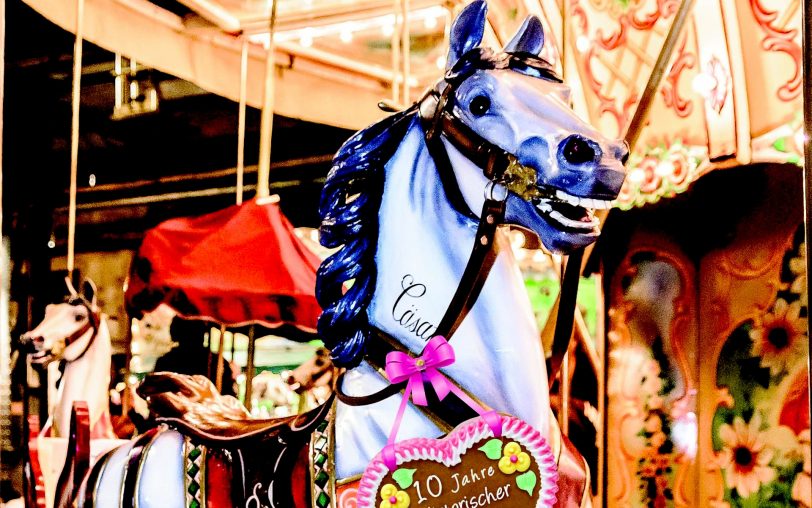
(394, 498)
(514, 459)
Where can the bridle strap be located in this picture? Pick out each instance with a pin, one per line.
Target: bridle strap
(562, 334)
(476, 271)
(93, 321)
(430, 112)
(492, 159)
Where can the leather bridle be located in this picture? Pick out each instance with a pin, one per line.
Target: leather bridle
(435, 111)
(92, 323)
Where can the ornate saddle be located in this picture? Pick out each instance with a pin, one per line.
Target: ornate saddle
(193, 405)
(252, 458)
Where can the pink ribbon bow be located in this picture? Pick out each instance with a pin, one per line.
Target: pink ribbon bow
(402, 367)
(423, 369)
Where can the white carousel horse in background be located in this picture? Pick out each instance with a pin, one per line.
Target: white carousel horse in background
(151, 338)
(74, 333)
(298, 390)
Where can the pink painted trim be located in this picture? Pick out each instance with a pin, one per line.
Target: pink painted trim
(449, 451)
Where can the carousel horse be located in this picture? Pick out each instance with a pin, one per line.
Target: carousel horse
(494, 142)
(294, 391)
(74, 338)
(75, 333)
(403, 203)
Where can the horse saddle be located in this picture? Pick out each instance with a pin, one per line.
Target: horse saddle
(250, 460)
(192, 405)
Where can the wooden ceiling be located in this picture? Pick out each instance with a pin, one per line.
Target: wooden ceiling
(177, 161)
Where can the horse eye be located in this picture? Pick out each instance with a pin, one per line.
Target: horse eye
(479, 105)
(79, 317)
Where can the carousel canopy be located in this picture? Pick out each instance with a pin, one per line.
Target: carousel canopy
(730, 94)
(240, 265)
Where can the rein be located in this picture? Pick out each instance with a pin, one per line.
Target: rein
(435, 112)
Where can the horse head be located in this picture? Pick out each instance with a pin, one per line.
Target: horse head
(68, 329)
(560, 169)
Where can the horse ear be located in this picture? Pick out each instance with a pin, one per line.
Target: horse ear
(89, 291)
(467, 31)
(71, 290)
(529, 38)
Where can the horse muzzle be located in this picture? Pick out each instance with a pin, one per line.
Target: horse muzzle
(34, 345)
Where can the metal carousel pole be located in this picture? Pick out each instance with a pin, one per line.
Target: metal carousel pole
(806, 56)
(5, 286)
(74, 132)
(266, 121)
(241, 118)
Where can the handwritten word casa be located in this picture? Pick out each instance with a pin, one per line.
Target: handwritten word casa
(405, 310)
(433, 487)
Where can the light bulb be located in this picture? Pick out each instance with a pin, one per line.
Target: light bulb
(346, 35)
(703, 84)
(306, 39)
(582, 43)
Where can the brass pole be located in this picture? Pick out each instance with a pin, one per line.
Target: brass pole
(249, 369)
(76, 96)
(233, 348)
(266, 122)
(657, 73)
(5, 278)
(564, 395)
(395, 43)
(405, 49)
(207, 342)
(600, 342)
(219, 375)
(241, 119)
(806, 57)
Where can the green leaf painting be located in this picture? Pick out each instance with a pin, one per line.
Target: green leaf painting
(404, 477)
(492, 449)
(527, 482)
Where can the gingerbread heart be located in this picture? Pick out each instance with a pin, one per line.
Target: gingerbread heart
(468, 468)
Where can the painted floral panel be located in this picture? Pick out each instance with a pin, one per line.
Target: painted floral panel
(761, 435)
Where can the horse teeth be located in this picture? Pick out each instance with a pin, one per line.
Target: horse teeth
(595, 204)
(544, 206)
(563, 196)
(573, 223)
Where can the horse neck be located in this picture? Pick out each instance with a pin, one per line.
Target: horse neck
(423, 247)
(87, 379)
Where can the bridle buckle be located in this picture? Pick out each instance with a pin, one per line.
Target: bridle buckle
(496, 191)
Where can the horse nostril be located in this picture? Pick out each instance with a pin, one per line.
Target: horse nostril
(578, 151)
(625, 151)
(29, 343)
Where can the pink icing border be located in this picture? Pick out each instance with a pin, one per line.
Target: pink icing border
(449, 451)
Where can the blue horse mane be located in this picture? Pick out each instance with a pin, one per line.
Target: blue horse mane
(349, 207)
(349, 219)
